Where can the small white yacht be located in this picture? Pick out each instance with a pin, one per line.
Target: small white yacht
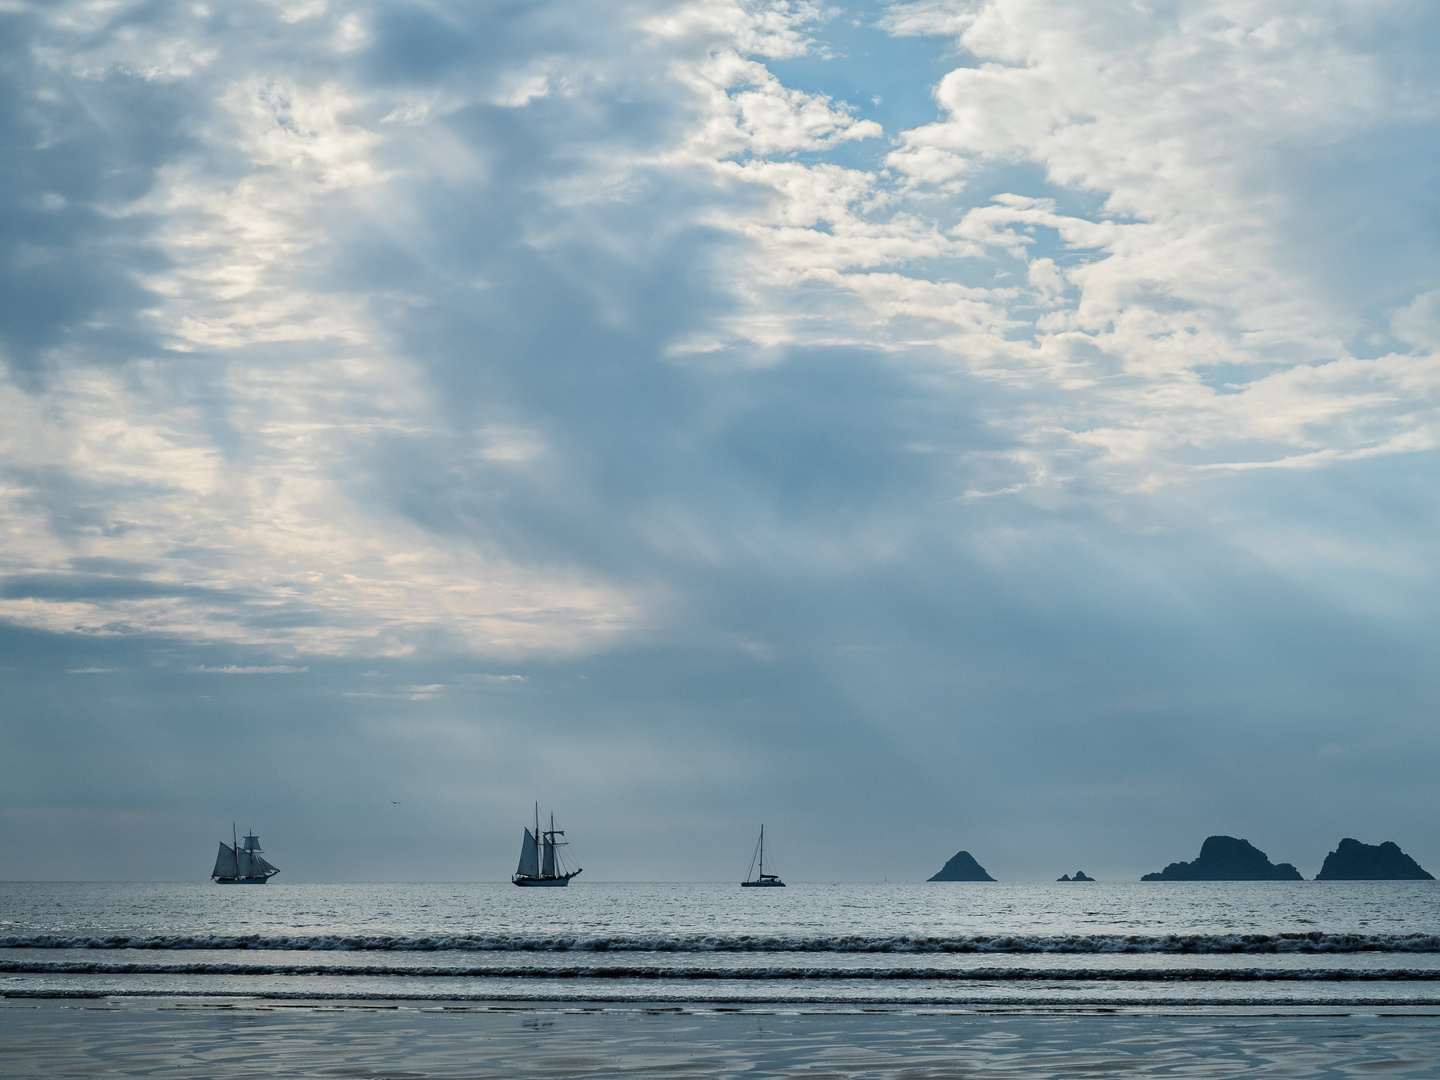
(764, 880)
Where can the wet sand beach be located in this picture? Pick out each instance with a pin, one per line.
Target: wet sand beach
(166, 1038)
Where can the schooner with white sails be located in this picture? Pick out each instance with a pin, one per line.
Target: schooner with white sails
(540, 861)
(236, 865)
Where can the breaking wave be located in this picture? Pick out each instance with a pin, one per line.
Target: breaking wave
(749, 973)
(1198, 944)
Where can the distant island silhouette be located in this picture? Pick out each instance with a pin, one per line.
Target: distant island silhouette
(1354, 861)
(1080, 875)
(962, 867)
(1226, 858)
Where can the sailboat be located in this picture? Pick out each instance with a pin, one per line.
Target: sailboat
(535, 870)
(236, 865)
(764, 881)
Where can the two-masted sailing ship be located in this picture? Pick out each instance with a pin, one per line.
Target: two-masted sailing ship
(764, 881)
(547, 868)
(236, 865)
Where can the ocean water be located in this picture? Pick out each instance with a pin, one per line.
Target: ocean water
(1135, 945)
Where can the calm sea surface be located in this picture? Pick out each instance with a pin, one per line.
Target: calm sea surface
(1155, 944)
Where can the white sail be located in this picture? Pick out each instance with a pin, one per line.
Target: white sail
(225, 863)
(549, 868)
(245, 863)
(529, 857)
(260, 866)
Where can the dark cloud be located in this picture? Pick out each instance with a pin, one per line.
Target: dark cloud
(72, 155)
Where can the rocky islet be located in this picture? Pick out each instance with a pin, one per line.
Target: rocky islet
(1353, 861)
(962, 867)
(1229, 858)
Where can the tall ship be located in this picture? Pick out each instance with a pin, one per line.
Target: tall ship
(540, 860)
(237, 865)
(764, 881)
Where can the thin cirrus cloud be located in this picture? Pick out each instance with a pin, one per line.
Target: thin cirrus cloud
(646, 335)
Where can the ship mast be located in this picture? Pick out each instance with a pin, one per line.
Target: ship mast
(551, 867)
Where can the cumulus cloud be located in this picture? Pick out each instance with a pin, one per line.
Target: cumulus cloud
(285, 240)
(1182, 332)
(1139, 292)
(632, 347)
(215, 458)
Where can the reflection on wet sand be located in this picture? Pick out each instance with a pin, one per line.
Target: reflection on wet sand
(172, 1038)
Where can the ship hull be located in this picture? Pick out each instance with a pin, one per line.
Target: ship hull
(525, 882)
(241, 880)
(762, 884)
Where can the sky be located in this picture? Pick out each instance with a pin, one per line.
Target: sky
(1009, 425)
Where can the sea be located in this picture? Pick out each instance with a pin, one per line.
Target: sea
(1138, 945)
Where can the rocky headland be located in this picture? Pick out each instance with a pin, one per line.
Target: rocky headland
(1225, 858)
(962, 867)
(1080, 875)
(1354, 861)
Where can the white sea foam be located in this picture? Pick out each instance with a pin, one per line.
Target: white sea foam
(1320, 943)
(1294, 942)
(749, 972)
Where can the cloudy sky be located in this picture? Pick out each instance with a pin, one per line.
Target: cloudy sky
(1010, 425)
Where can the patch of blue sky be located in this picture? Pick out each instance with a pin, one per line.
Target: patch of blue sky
(1028, 178)
(1230, 378)
(1373, 345)
(1360, 223)
(883, 78)
(863, 155)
